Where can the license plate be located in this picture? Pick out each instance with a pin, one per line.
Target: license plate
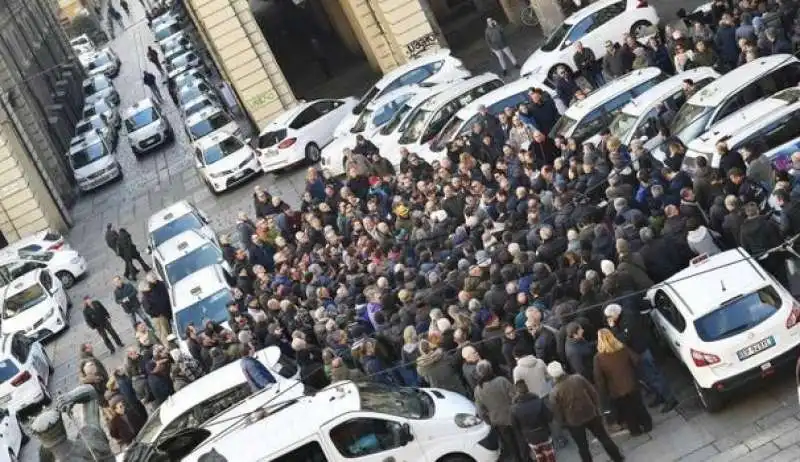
(238, 175)
(756, 348)
(272, 152)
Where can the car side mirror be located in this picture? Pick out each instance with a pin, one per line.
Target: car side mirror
(566, 44)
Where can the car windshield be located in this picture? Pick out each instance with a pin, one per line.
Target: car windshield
(141, 119)
(190, 94)
(361, 123)
(100, 61)
(197, 106)
(23, 300)
(415, 125)
(182, 60)
(209, 125)
(690, 121)
(396, 119)
(447, 134)
(93, 86)
(738, 315)
(151, 429)
(622, 124)
(556, 37)
(36, 256)
(83, 127)
(175, 227)
(410, 403)
(7, 370)
(165, 32)
(83, 157)
(213, 307)
(207, 255)
(221, 150)
(564, 126)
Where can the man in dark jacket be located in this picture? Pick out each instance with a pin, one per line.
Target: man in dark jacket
(565, 86)
(579, 352)
(157, 304)
(725, 42)
(586, 62)
(496, 40)
(759, 234)
(531, 417)
(125, 295)
(364, 146)
(614, 62)
(777, 44)
(543, 110)
(127, 250)
(97, 318)
(111, 238)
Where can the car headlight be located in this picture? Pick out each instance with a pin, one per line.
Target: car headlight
(467, 420)
(220, 174)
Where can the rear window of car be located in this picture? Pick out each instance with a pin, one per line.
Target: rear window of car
(738, 315)
(7, 370)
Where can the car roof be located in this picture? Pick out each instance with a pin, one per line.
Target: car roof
(165, 25)
(304, 417)
(392, 75)
(518, 86)
(656, 94)
(90, 138)
(710, 281)
(286, 117)
(608, 91)
(21, 283)
(716, 92)
(201, 115)
(589, 9)
(454, 89)
(197, 286)
(138, 106)
(93, 78)
(745, 121)
(212, 139)
(180, 245)
(168, 214)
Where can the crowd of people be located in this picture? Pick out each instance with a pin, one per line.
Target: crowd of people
(511, 271)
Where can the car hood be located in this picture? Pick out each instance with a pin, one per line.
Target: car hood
(96, 166)
(451, 404)
(25, 320)
(538, 64)
(230, 162)
(148, 130)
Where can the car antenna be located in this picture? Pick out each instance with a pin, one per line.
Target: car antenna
(722, 283)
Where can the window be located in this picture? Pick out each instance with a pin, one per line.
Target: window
(364, 436)
(580, 29)
(669, 311)
(414, 76)
(732, 105)
(738, 315)
(23, 300)
(643, 87)
(221, 150)
(7, 370)
(141, 119)
(308, 115)
(591, 125)
(787, 76)
(206, 410)
(648, 127)
(271, 138)
(781, 131)
(324, 107)
(44, 277)
(175, 227)
(309, 452)
(20, 348)
(617, 102)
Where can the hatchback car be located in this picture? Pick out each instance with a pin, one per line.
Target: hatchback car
(175, 219)
(104, 62)
(147, 127)
(210, 121)
(300, 133)
(592, 25)
(25, 371)
(35, 304)
(205, 101)
(105, 108)
(728, 321)
(194, 90)
(224, 161)
(68, 265)
(99, 86)
(43, 240)
(93, 164)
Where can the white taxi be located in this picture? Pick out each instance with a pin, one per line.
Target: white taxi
(728, 321)
(25, 371)
(35, 304)
(68, 265)
(224, 161)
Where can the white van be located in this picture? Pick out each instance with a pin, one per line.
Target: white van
(92, 162)
(509, 95)
(377, 114)
(587, 117)
(184, 255)
(365, 422)
(432, 69)
(35, 304)
(175, 219)
(733, 91)
(638, 119)
(428, 118)
(201, 296)
(763, 125)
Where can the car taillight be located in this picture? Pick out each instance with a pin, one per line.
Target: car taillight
(794, 316)
(642, 4)
(703, 359)
(21, 378)
(288, 142)
(56, 246)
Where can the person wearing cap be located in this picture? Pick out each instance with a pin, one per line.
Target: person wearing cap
(576, 404)
(614, 62)
(98, 319)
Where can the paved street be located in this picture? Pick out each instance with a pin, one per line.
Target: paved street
(760, 424)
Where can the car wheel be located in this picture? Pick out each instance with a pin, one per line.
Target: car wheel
(66, 278)
(711, 400)
(313, 153)
(638, 27)
(457, 458)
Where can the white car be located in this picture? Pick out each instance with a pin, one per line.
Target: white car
(428, 70)
(43, 240)
(12, 437)
(105, 108)
(82, 44)
(34, 304)
(25, 371)
(210, 121)
(728, 321)
(300, 133)
(213, 398)
(195, 89)
(147, 127)
(175, 219)
(204, 101)
(92, 162)
(93, 126)
(592, 25)
(185, 254)
(202, 296)
(68, 265)
(224, 161)
(168, 30)
(104, 62)
(99, 86)
(181, 63)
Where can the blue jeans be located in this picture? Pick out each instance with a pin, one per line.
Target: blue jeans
(651, 375)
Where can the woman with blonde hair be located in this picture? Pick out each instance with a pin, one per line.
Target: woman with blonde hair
(409, 354)
(615, 377)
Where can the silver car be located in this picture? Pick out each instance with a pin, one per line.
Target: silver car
(92, 162)
(98, 123)
(99, 86)
(104, 62)
(147, 127)
(104, 107)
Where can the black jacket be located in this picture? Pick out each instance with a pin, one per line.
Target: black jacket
(580, 357)
(759, 234)
(111, 240)
(95, 315)
(531, 417)
(156, 302)
(631, 331)
(125, 246)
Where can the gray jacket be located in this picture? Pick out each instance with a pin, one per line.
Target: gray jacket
(493, 400)
(495, 37)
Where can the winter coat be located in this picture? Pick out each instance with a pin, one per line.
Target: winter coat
(111, 240)
(585, 61)
(495, 37)
(580, 355)
(725, 44)
(440, 372)
(532, 371)
(124, 428)
(614, 64)
(127, 297)
(531, 417)
(96, 315)
(545, 114)
(311, 370)
(759, 234)
(615, 373)
(125, 246)
(159, 382)
(493, 400)
(574, 401)
(156, 305)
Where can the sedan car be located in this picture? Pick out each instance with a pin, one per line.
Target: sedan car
(104, 62)
(300, 133)
(96, 123)
(12, 437)
(104, 107)
(209, 121)
(68, 266)
(592, 25)
(99, 86)
(35, 304)
(224, 161)
(25, 371)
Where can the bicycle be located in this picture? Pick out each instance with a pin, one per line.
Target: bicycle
(528, 16)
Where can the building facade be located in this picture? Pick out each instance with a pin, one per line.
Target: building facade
(40, 102)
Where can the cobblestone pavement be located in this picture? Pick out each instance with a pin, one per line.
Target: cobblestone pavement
(762, 423)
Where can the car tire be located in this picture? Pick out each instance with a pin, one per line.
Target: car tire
(639, 24)
(456, 458)
(313, 153)
(711, 400)
(66, 278)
